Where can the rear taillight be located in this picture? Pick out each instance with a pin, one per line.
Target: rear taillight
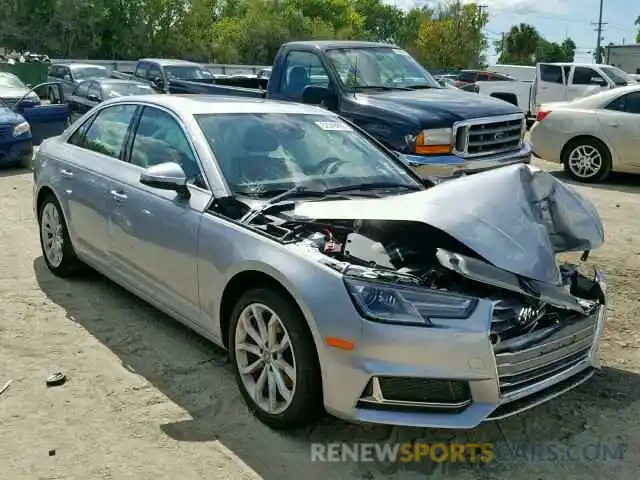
(542, 115)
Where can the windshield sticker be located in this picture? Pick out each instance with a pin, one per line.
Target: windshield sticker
(334, 126)
(399, 51)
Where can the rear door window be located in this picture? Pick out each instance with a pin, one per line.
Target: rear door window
(551, 73)
(108, 132)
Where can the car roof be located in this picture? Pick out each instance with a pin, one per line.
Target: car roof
(169, 61)
(114, 81)
(197, 104)
(333, 44)
(78, 65)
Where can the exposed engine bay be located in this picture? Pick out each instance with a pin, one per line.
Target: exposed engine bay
(413, 239)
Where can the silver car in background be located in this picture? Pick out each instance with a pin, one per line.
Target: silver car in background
(591, 136)
(334, 276)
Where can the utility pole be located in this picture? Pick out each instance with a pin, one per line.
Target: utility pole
(599, 25)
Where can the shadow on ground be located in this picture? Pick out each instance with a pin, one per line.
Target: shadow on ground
(11, 171)
(195, 375)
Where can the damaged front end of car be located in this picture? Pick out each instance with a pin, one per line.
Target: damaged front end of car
(472, 262)
(431, 258)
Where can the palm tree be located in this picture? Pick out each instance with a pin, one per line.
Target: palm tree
(520, 44)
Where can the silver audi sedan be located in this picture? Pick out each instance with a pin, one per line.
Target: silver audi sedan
(337, 279)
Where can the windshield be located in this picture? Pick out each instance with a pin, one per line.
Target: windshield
(186, 72)
(379, 66)
(114, 90)
(617, 76)
(10, 80)
(262, 154)
(89, 72)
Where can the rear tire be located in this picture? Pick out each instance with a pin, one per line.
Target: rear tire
(262, 321)
(57, 249)
(586, 160)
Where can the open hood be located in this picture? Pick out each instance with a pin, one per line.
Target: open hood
(515, 217)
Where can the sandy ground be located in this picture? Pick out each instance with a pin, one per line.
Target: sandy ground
(147, 399)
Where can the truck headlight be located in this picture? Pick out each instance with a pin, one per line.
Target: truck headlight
(434, 141)
(406, 305)
(21, 129)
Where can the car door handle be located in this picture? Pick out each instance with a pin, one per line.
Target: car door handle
(613, 124)
(119, 196)
(66, 173)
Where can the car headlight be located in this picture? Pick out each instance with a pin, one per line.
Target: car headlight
(407, 305)
(434, 141)
(21, 129)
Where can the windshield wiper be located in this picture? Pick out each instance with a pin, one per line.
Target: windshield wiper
(372, 186)
(380, 87)
(297, 191)
(421, 87)
(304, 191)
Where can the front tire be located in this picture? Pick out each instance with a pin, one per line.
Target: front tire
(587, 160)
(57, 250)
(274, 360)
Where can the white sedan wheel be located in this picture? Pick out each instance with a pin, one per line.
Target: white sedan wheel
(585, 162)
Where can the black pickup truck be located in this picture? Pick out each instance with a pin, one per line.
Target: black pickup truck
(381, 89)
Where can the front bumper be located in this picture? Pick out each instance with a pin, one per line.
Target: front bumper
(461, 356)
(13, 152)
(452, 165)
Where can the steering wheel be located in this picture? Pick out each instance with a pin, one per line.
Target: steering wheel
(330, 165)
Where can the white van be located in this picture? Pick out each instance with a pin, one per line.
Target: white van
(522, 73)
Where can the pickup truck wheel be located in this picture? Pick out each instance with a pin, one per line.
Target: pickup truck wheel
(586, 160)
(57, 250)
(274, 360)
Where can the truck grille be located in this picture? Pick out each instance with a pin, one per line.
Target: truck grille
(534, 357)
(481, 137)
(6, 131)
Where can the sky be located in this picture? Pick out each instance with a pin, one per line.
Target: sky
(556, 20)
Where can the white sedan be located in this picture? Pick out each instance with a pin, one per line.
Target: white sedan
(591, 136)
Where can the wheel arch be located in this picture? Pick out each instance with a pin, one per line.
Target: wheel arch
(255, 277)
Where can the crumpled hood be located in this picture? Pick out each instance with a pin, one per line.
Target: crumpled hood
(516, 217)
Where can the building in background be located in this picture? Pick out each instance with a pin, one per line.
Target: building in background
(626, 57)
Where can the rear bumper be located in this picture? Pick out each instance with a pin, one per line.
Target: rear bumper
(451, 165)
(13, 152)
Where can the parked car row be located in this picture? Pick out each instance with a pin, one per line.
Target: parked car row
(337, 278)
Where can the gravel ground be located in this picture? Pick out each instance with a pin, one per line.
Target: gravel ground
(147, 399)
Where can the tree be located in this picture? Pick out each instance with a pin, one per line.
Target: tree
(519, 45)
(637, 24)
(553, 52)
(452, 37)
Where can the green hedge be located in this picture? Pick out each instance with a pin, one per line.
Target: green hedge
(29, 73)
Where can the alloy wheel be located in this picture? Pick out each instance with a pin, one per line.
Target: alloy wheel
(265, 358)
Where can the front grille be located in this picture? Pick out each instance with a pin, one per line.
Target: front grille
(6, 131)
(529, 359)
(482, 137)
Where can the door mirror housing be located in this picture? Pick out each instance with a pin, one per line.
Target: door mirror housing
(166, 176)
(157, 82)
(93, 97)
(67, 77)
(314, 94)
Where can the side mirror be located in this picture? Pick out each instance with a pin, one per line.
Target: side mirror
(314, 94)
(67, 77)
(158, 82)
(93, 97)
(166, 176)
